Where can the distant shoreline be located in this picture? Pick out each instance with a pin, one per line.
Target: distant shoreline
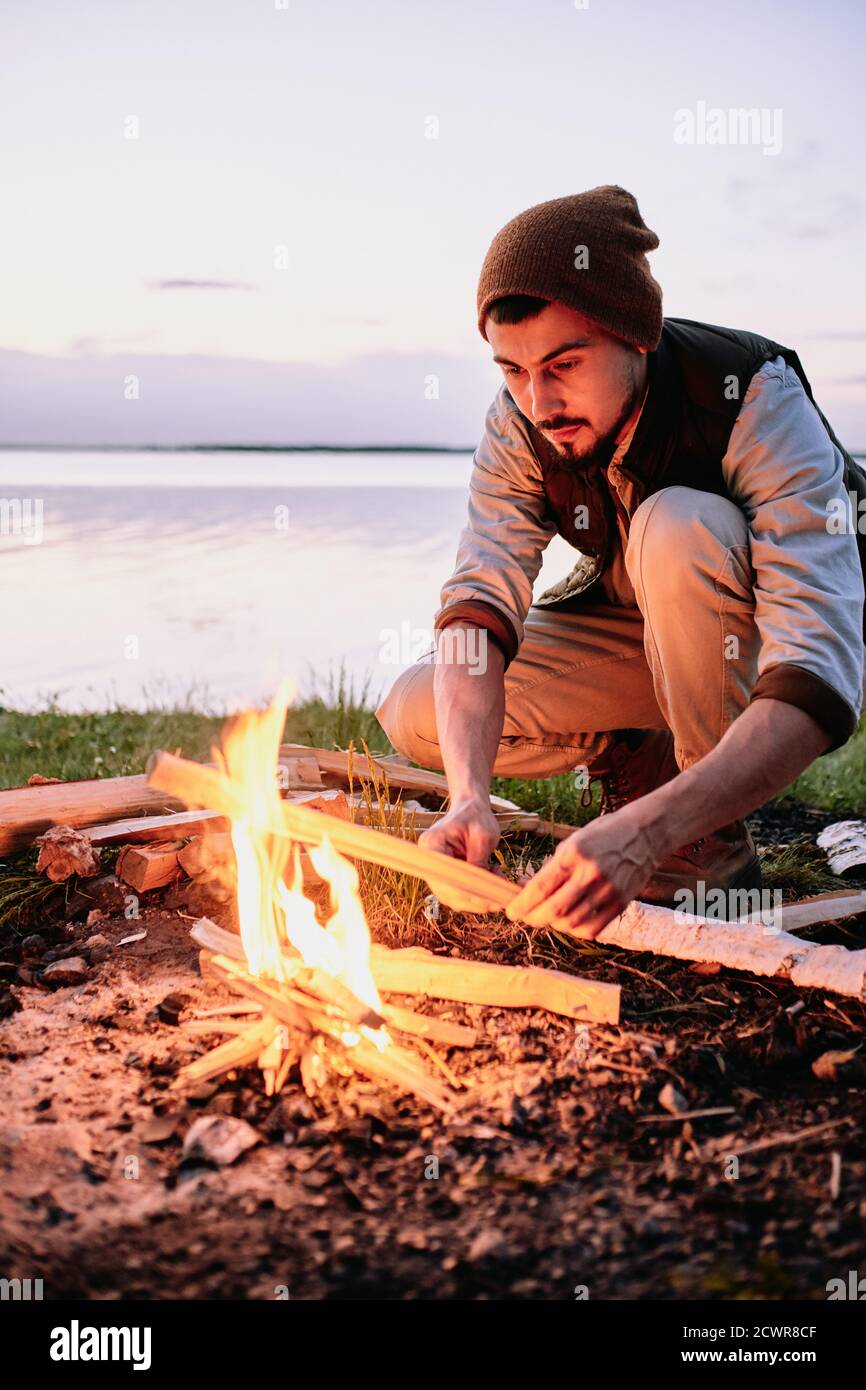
(258, 449)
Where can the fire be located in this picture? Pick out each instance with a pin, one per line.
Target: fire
(278, 922)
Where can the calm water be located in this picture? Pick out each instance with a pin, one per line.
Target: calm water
(149, 576)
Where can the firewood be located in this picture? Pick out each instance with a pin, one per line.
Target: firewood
(236, 1052)
(398, 774)
(326, 989)
(440, 1030)
(206, 854)
(198, 785)
(150, 829)
(416, 971)
(149, 866)
(824, 907)
(745, 945)
(302, 771)
(393, 1064)
(26, 812)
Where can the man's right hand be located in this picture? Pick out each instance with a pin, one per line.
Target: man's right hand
(468, 831)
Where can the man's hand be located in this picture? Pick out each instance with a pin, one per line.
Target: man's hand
(469, 831)
(592, 876)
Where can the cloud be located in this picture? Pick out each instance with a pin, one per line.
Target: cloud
(181, 284)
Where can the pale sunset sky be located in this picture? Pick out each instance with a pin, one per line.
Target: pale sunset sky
(306, 127)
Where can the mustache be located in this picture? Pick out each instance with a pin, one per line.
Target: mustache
(560, 422)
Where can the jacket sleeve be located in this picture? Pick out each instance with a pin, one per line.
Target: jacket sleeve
(786, 473)
(500, 549)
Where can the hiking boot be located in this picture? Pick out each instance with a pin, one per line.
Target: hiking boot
(639, 761)
(695, 877)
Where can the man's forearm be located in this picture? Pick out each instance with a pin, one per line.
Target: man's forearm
(470, 708)
(762, 752)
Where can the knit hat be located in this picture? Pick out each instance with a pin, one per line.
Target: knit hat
(587, 250)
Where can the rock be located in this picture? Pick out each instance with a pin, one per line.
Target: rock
(219, 1139)
(484, 1244)
(65, 851)
(94, 916)
(98, 955)
(73, 971)
(171, 1007)
(96, 940)
(32, 947)
(672, 1100)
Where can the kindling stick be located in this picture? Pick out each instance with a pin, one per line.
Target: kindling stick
(204, 786)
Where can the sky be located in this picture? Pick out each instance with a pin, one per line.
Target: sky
(274, 212)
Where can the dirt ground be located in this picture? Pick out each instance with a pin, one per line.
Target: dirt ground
(560, 1173)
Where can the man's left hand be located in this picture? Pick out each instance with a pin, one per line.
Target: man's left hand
(591, 878)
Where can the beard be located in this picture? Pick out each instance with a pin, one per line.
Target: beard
(591, 449)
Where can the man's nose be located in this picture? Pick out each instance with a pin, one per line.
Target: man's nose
(546, 398)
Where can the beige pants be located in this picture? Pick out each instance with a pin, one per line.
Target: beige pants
(685, 657)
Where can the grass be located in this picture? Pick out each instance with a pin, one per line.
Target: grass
(118, 742)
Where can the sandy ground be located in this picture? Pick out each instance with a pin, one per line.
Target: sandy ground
(559, 1171)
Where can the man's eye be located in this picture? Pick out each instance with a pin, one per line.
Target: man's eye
(512, 371)
(566, 366)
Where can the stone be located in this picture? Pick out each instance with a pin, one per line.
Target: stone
(219, 1139)
(73, 971)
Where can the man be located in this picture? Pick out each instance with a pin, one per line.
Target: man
(708, 644)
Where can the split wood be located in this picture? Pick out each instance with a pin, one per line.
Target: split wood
(751, 945)
(416, 971)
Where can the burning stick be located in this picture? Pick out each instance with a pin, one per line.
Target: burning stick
(203, 786)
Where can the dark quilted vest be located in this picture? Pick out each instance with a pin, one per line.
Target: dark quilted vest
(698, 377)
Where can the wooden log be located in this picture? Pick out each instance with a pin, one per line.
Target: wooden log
(823, 907)
(197, 785)
(417, 779)
(149, 866)
(416, 971)
(746, 945)
(207, 854)
(26, 812)
(301, 771)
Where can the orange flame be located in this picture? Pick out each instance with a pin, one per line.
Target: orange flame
(276, 916)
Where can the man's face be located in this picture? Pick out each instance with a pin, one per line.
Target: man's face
(577, 383)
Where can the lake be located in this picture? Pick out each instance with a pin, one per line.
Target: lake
(143, 578)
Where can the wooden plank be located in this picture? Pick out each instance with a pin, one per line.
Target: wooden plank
(398, 775)
(148, 829)
(26, 812)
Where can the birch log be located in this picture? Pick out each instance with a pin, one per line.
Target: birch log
(750, 945)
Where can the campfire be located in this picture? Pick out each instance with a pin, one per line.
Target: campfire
(308, 988)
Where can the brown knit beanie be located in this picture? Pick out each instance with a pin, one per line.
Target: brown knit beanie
(539, 252)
